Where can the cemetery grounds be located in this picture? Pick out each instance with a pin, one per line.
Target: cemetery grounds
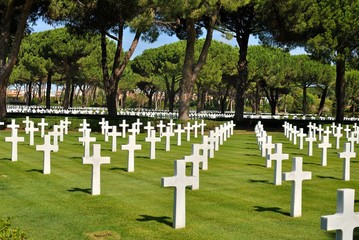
(236, 199)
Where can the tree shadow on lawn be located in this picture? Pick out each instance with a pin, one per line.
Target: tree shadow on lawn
(329, 177)
(255, 164)
(35, 170)
(84, 190)
(259, 181)
(117, 168)
(271, 209)
(163, 219)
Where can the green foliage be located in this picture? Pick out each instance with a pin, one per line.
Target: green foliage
(9, 232)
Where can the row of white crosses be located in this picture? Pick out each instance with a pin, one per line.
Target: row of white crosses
(297, 175)
(345, 220)
(180, 181)
(336, 131)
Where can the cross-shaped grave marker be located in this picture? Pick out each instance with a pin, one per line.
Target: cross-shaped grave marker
(149, 128)
(14, 139)
(13, 125)
(168, 134)
(347, 130)
(345, 220)
(47, 147)
(86, 139)
(124, 125)
(195, 127)
(267, 147)
(320, 131)
(56, 134)
(297, 176)
(160, 127)
(347, 155)
(27, 122)
(66, 124)
(295, 133)
(352, 140)
(171, 124)
(31, 130)
(180, 181)
(202, 125)
(278, 156)
(301, 136)
(324, 146)
(310, 139)
(42, 126)
(114, 134)
(211, 142)
(179, 132)
(338, 134)
(195, 159)
(131, 147)
(188, 129)
(96, 160)
(102, 123)
(153, 139)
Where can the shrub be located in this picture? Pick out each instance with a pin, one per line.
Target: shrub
(8, 232)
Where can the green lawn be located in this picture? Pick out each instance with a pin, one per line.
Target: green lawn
(236, 199)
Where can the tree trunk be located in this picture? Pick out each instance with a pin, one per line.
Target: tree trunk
(66, 102)
(191, 70)
(340, 88)
(304, 99)
(29, 94)
(40, 92)
(123, 99)
(243, 24)
(322, 100)
(10, 45)
(72, 95)
(257, 98)
(48, 90)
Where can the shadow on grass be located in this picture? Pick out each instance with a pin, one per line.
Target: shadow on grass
(259, 181)
(35, 170)
(256, 165)
(5, 159)
(76, 158)
(145, 157)
(163, 219)
(309, 163)
(251, 155)
(271, 209)
(117, 168)
(329, 177)
(84, 190)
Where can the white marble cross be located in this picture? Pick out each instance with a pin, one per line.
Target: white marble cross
(131, 147)
(106, 127)
(13, 125)
(114, 134)
(202, 125)
(160, 127)
(278, 156)
(267, 147)
(66, 124)
(347, 130)
(27, 122)
(124, 125)
(188, 129)
(310, 139)
(86, 139)
(84, 125)
(31, 130)
(138, 124)
(352, 140)
(345, 220)
(171, 124)
(301, 136)
(96, 160)
(153, 139)
(56, 134)
(212, 143)
(327, 132)
(42, 126)
(297, 176)
(295, 133)
(347, 155)
(195, 159)
(47, 148)
(149, 128)
(179, 132)
(195, 127)
(205, 146)
(14, 139)
(180, 181)
(168, 134)
(102, 123)
(134, 131)
(338, 134)
(320, 131)
(324, 146)
(333, 126)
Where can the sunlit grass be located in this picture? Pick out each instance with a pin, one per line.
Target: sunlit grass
(236, 199)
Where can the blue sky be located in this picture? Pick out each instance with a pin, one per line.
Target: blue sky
(162, 40)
